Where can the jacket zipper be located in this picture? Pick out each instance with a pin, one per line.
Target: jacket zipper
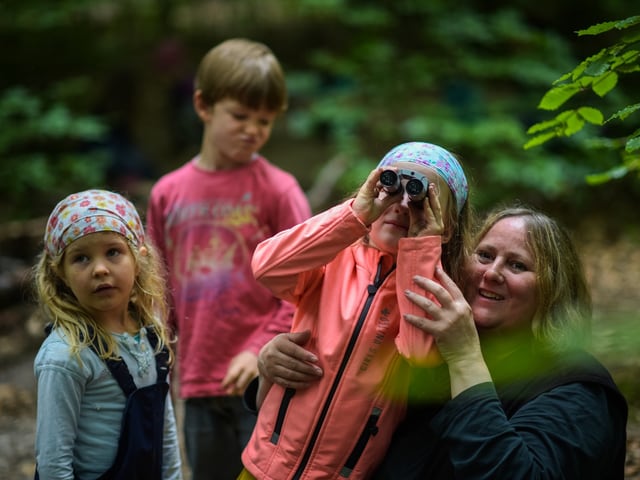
(370, 430)
(284, 406)
(371, 290)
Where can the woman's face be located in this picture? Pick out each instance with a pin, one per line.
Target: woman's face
(501, 286)
(393, 224)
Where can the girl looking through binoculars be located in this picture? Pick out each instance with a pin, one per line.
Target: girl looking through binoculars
(346, 271)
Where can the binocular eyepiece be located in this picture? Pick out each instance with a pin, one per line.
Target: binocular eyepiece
(415, 186)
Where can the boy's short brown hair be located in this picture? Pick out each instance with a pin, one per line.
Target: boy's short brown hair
(245, 71)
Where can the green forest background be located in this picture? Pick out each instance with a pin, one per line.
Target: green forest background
(97, 93)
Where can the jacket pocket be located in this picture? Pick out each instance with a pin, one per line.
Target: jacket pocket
(370, 430)
(282, 413)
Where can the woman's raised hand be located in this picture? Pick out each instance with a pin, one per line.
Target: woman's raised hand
(452, 326)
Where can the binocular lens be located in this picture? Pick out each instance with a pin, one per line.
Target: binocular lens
(390, 180)
(414, 187)
(416, 184)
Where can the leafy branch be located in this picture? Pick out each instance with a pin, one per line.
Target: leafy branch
(600, 74)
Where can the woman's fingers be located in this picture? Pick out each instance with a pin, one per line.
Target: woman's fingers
(448, 283)
(447, 316)
(434, 288)
(445, 292)
(424, 324)
(293, 373)
(285, 362)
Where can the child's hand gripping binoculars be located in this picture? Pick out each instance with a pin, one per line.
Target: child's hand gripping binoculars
(415, 183)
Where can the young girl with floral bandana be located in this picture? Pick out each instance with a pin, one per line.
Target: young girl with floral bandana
(346, 270)
(103, 409)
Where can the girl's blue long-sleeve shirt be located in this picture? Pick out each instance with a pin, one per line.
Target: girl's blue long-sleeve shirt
(80, 409)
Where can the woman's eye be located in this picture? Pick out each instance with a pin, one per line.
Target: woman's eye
(483, 256)
(521, 267)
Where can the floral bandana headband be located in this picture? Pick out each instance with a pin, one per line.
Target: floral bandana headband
(437, 158)
(88, 212)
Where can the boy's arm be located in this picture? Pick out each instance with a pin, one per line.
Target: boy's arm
(280, 323)
(155, 223)
(292, 208)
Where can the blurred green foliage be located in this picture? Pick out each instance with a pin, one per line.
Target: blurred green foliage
(363, 77)
(39, 149)
(457, 75)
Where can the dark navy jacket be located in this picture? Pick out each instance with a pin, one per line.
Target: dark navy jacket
(564, 419)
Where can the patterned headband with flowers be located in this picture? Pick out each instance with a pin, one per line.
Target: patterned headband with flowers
(91, 211)
(432, 156)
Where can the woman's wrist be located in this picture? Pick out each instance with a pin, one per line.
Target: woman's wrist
(466, 373)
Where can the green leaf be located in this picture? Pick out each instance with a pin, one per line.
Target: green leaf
(539, 140)
(630, 56)
(632, 144)
(625, 112)
(603, 177)
(540, 126)
(566, 76)
(573, 125)
(555, 97)
(628, 69)
(605, 84)
(606, 26)
(591, 115)
(597, 29)
(597, 64)
(565, 116)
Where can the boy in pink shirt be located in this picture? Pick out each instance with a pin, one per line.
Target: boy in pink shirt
(206, 218)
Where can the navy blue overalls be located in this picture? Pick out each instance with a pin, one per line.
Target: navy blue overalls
(139, 455)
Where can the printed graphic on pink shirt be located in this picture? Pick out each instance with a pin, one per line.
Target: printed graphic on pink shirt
(213, 248)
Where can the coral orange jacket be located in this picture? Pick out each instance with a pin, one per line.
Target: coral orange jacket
(351, 296)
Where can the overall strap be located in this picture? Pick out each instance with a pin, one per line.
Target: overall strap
(118, 367)
(162, 357)
(120, 372)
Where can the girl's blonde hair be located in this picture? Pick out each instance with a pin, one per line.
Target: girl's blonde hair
(147, 304)
(458, 227)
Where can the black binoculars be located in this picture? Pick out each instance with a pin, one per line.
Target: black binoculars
(415, 186)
